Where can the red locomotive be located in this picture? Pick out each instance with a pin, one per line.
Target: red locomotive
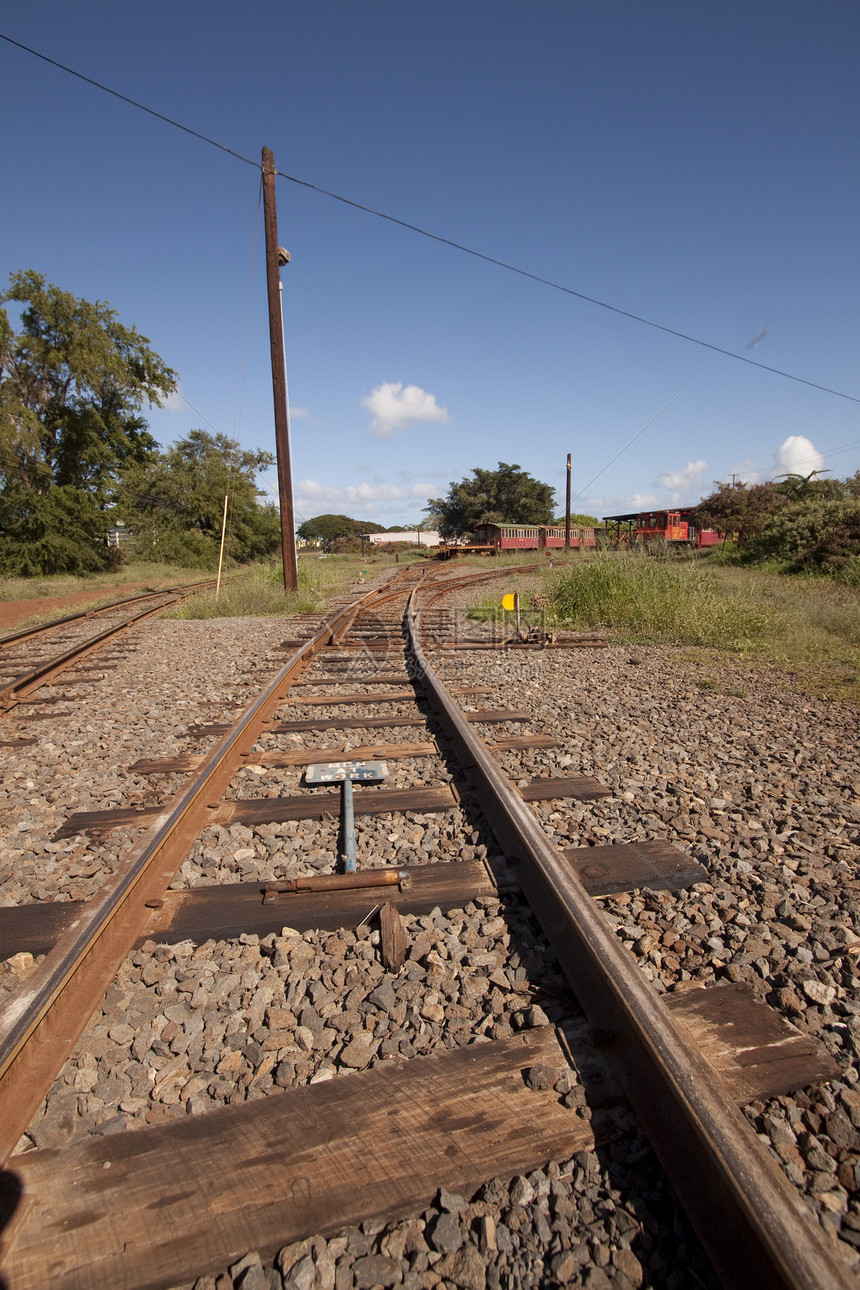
(661, 526)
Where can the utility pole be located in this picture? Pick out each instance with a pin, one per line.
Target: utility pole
(567, 509)
(275, 257)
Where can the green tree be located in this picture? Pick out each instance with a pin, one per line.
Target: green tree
(580, 519)
(739, 508)
(800, 521)
(812, 533)
(174, 505)
(328, 528)
(60, 531)
(797, 487)
(507, 495)
(73, 384)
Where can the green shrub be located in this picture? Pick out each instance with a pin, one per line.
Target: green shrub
(817, 532)
(639, 598)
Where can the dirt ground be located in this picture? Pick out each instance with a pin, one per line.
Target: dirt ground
(15, 612)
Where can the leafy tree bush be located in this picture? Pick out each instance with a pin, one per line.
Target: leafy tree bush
(816, 532)
(740, 509)
(328, 528)
(505, 496)
(59, 531)
(349, 544)
(174, 504)
(73, 382)
(800, 521)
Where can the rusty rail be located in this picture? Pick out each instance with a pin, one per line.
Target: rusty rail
(755, 1227)
(14, 691)
(41, 1025)
(37, 629)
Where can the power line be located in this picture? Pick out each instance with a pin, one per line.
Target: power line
(630, 442)
(437, 237)
(568, 291)
(133, 102)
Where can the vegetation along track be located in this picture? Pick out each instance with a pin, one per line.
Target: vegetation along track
(195, 1192)
(70, 641)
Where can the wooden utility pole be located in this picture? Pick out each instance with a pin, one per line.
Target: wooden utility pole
(567, 509)
(274, 258)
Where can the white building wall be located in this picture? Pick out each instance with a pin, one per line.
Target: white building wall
(425, 538)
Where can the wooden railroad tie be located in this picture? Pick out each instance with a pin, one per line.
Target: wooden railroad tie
(481, 716)
(187, 762)
(312, 806)
(290, 757)
(147, 1207)
(341, 700)
(229, 909)
(350, 678)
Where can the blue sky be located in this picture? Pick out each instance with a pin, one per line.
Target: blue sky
(693, 164)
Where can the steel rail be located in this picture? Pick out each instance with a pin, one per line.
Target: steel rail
(755, 1227)
(38, 628)
(46, 1017)
(16, 690)
(441, 586)
(13, 692)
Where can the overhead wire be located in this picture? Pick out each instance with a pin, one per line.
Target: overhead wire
(630, 442)
(569, 291)
(125, 99)
(436, 237)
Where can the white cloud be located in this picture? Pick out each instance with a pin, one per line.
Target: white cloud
(175, 402)
(394, 406)
(797, 456)
(311, 495)
(298, 414)
(690, 477)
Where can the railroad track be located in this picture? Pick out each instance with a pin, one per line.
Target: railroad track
(684, 1064)
(63, 644)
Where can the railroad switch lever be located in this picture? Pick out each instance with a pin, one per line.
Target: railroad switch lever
(345, 773)
(338, 882)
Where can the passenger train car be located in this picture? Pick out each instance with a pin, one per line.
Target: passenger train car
(525, 537)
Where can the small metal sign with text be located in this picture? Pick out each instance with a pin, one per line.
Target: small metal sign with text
(338, 771)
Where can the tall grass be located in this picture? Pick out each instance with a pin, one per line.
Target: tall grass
(808, 626)
(638, 597)
(259, 593)
(107, 585)
(816, 627)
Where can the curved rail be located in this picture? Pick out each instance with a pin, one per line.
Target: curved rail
(38, 628)
(708, 1149)
(14, 691)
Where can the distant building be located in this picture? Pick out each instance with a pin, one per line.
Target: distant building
(420, 537)
(118, 535)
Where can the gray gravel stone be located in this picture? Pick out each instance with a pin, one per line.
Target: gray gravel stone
(762, 791)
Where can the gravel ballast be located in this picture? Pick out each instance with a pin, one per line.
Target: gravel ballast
(755, 781)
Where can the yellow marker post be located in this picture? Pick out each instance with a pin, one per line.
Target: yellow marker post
(512, 602)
